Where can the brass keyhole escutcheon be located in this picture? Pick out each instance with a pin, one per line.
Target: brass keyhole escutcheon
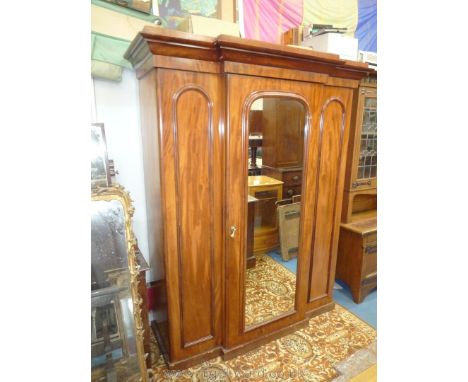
(233, 231)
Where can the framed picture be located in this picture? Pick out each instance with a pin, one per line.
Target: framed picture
(138, 5)
(100, 169)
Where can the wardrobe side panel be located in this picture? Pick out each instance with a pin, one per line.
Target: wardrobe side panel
(190, 106)
(334, 123)
(152, 175)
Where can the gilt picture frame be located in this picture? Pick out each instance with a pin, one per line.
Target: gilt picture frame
(129, 279)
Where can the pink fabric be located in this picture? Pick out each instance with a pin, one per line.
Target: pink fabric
(266, 20)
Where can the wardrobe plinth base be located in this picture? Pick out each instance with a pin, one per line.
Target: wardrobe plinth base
(255, 344)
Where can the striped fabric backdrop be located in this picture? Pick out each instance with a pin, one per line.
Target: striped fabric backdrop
(266, 20)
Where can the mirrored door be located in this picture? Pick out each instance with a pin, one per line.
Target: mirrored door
(276, 125)
(271, 147)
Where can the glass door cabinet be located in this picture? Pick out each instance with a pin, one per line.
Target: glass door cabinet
(364, 169)
(360, 196)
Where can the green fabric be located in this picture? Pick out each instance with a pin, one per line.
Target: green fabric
(109, 49)
(124, 10)
(105, 70)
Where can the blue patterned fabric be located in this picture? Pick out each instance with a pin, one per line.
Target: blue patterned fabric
(366, 30)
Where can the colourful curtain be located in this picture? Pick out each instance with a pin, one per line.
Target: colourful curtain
(366, 30)
(266, 20)
(339, 13)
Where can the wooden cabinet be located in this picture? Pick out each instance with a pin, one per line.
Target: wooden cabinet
(357, 253)
(363, 173)
(282, 123)
(196, 94)
(357, 257)
(291, 178)
(360, 199)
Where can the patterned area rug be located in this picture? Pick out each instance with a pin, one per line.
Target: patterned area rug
(309, 354)
(270, 291)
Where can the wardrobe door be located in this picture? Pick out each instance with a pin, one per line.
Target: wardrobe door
(329, 169)
(270, 295)
(191, 167)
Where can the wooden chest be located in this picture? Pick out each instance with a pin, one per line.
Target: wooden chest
(357, 257)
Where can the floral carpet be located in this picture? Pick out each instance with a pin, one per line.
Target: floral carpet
(308, 354)
(270, 291)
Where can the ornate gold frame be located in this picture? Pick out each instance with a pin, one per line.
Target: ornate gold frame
(118, 192)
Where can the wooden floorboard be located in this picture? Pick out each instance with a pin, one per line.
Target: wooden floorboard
(368, 375)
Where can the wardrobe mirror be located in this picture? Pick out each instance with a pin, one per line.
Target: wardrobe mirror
(275, 163)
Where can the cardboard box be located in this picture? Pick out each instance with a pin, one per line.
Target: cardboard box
(208, 26)
(292, 36)
(345, 46)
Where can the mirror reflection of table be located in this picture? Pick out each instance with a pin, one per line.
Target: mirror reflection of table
(255, 141)
(267, 191)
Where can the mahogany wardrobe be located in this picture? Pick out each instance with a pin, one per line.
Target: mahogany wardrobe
(210, 207)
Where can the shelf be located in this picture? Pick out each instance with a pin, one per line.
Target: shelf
(363, 215)
(363, 226)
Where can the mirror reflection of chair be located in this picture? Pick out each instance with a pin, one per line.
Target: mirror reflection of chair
(288, 226)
